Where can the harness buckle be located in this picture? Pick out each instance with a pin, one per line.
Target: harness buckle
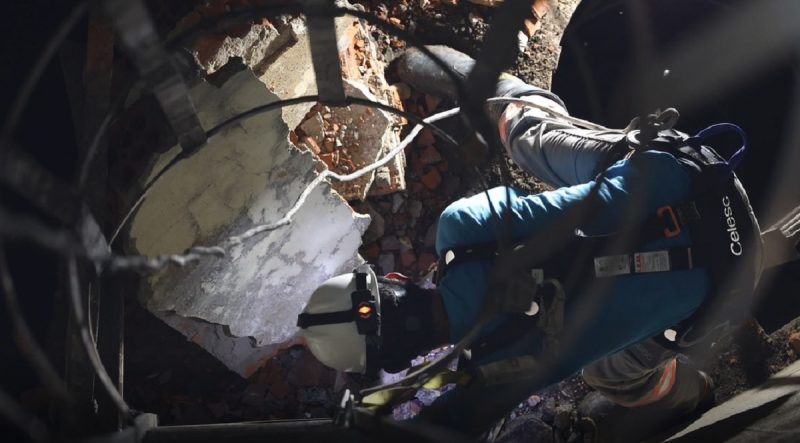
(675, 229)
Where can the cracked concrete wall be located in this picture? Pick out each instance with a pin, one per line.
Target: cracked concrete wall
(248, 174)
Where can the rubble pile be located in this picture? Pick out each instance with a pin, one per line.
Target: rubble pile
(402, 234)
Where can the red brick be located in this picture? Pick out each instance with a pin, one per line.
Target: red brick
(372, 251)
(431, 102)
(312, 144)
(306, 371)
(426, 260)
(425, 138)
(331, 159)
(432, 179)
(794, 342)
(329, 144)
(429, 155)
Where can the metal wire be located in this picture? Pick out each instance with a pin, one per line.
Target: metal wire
(86, 340)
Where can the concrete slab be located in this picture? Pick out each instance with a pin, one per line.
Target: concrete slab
(249, 174)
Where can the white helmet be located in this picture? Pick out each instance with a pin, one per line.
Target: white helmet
(341, 322)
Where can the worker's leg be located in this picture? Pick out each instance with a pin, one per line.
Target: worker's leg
(640, 389)
(647, 373)
(554, 151)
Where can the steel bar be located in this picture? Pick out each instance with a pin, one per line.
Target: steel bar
(324, 51)
(137, 33)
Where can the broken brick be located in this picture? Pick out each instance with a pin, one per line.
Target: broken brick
(329, 144)
(312, 144)
(386, 262)
(401, 219)
(425, 138)
(794, 342)
(403, 91)
(372, 252)
(432, 179)
(331, 159)
(431, 102)
(390, 243)
(307, 371)
(408, 258)
(429, 155)
(426, 260)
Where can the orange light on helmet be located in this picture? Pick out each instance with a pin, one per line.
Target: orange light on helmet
(364, 310)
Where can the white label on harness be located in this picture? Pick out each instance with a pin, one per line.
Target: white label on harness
(656, 261)
(611, 265)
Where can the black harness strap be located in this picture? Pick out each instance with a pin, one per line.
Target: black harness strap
(306, 320)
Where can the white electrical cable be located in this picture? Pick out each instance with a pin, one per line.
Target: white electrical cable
(194, 253)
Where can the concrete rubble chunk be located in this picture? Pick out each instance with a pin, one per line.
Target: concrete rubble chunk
(241, 308)
(352, 138)
(260, 41)
(357, 136)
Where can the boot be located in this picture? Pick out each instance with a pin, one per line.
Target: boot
(423, 74)
(604, 421)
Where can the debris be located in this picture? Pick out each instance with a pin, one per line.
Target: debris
(794, 342)
(415, 208)
(376, 227)
(212, 51)
(430, 236)
(426, 260)
(432, 179)
(526, 428)
(390, 243)
(431, 102)
(408, 258)
(386, 262)
(429, 155)
(425, 138)
(563, 417)
(371, 252)
(397, 202)
(403, 91)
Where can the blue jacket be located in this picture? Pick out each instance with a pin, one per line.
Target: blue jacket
(635, 308)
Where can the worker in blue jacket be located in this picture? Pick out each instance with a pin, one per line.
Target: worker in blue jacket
(607, 333)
